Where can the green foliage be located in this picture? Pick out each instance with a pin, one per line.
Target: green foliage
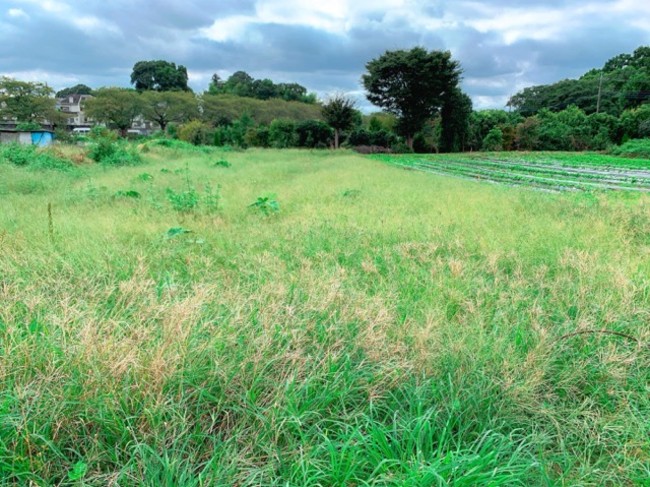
(28, 126)
(159, 76)
(455, 118)
(313, 134)
(411, 85)
(78, 471)
(623, 82)
(224, 109)
(79, 89)
(117, 107)
(633, 148)
(33, 157)
(339, 113)
(282, 134)
(128, 193)
(221, 163)
(168, 107)
(493, 141)
(195, 133)
(242, 84)
(176, 231)
(110, 152)
(27, 102)
(266, 205)
(183, 201)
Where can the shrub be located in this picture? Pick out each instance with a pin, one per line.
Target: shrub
(493, 141)
(314, 133)
(633, 148)
(30, 156)
(108, 151)
(195, 132)
(282, 134)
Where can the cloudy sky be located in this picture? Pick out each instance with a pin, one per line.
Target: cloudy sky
(502, 45)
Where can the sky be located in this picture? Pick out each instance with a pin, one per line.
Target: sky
(503, 46)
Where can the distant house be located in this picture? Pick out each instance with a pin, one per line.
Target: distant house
(41, 138)
(72, 106)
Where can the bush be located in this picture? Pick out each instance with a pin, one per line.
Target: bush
(493, 141)
(30, 156)
(634, 148)
(111, 152)
(314, 133)
(196, 133)
(282, 134)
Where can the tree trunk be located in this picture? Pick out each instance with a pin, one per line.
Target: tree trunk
(409, 141)
(336, 138)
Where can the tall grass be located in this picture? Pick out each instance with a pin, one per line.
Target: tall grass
(383, 328)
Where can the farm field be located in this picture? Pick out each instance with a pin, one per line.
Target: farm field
(547, 171)
(312, 318)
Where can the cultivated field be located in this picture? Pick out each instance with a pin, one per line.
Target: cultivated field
(547, 171)
(296, 318)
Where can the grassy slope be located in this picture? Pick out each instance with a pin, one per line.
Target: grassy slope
(407, 334)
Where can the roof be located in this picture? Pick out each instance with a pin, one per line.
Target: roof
(76, 99)
(14, 131)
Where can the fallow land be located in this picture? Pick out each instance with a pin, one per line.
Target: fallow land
(268, 317)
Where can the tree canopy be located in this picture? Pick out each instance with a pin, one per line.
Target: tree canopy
(117, 107)
(241, 83)
(412, 85)
(622, 83)
(79, 89)
(168, 106)
(25, 101)
(159, 76)
(339, 113)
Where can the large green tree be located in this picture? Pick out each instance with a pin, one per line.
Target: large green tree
(339, 113)
(159, 76)
(169, 106)
(25, 101)
(412, 85)
(117, 107)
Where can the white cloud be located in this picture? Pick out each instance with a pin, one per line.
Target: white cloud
(17, 13)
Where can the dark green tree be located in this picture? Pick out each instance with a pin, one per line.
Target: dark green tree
(159, 76)
(455, 116)
(79, 89)
(340, 114)
(412, 85)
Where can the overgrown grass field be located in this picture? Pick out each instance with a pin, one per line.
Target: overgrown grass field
(296, 318)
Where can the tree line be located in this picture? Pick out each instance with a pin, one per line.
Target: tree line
(424, 108)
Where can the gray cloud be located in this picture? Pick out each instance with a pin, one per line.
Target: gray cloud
(501, 45)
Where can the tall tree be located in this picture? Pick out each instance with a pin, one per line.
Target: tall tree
(168, 106)
(412, 85)
(339, 113)
(24, 101)
(455, 114)
(117, 107)
(159, 76)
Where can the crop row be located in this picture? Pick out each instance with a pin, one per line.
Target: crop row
(537, 175)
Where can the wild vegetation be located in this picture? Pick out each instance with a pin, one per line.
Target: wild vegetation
(425, 110)
(216, 317)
